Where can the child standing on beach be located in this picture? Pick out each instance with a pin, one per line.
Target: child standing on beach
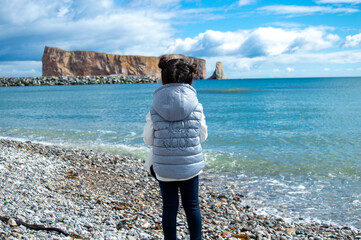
(175, 128)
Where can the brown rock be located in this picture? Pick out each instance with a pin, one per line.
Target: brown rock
(242, 236)
(291, 231)
(58, 62)
(226, 234)
(218, 72)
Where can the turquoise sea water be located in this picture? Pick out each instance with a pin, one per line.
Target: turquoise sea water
(293, 145)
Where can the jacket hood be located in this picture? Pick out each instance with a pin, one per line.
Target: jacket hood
(175, 101)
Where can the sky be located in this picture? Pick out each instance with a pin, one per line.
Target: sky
(252, 38)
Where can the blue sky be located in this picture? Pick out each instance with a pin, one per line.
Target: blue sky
(253, 38)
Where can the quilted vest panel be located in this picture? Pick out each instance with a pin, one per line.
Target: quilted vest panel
(177, 152)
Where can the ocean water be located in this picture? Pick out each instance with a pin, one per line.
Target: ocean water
(292, 145)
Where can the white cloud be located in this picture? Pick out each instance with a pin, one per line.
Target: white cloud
(245, 2)
(236, 67)
(154, 3)
(246, 51)
(23, 11)
(304, 10)
(130, 27)
(255, 43)
(339, 1)
(210, 43)
(326, 69)
(341, 57)
(21, 68)
(287, 25)
(353, 41)
(97, 25)
(148, 28)
(289, 69)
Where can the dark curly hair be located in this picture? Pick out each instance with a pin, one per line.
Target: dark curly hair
(177, 70)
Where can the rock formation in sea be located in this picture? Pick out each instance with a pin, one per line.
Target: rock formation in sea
(218, 72)
(58, 62)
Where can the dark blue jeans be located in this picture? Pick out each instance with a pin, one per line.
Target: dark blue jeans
(189, 195)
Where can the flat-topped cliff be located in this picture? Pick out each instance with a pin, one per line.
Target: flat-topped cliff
(58, 62)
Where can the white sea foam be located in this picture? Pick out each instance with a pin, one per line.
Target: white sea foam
(299, 192)
(356, 203)
(21, 139)
(106, 131)
(121, 149)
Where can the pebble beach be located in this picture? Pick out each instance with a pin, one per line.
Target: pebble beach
(94, 195)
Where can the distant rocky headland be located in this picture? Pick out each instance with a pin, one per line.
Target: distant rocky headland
(62, 67)
(58, 62)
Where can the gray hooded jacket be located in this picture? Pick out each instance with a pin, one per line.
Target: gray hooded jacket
(176, 116)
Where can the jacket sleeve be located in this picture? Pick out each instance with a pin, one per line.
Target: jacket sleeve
(149, 161)
(148, 131)
(203, 130)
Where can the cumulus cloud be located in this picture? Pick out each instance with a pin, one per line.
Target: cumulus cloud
(99, 25)
(255, 43)
(295, 10)
(353, 41)
(246, 51)
(210, 43)
(148, 28)
(236, 67)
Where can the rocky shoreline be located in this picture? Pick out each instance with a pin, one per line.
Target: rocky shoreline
(93, 195)
(68, 80)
